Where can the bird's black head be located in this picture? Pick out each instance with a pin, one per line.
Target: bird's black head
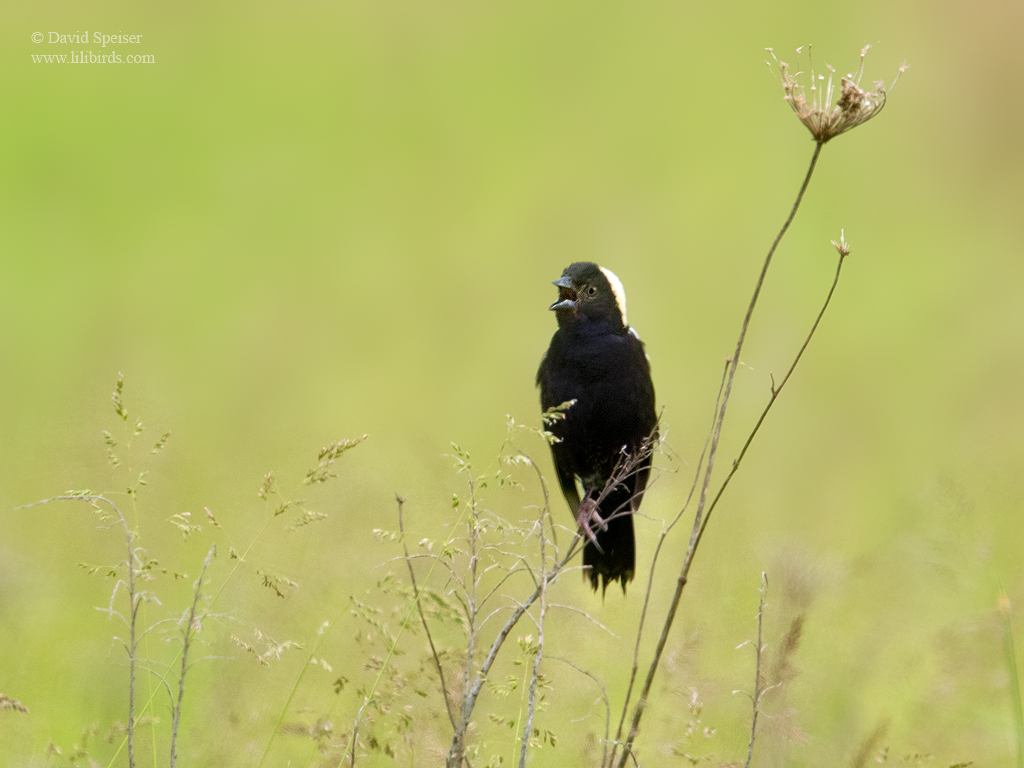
(589, 293)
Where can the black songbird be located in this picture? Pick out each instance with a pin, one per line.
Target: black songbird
(596, 359)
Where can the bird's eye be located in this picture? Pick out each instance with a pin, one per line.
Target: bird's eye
(592, 291)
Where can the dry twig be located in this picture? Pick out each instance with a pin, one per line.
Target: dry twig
(853, 108)
(699, 521)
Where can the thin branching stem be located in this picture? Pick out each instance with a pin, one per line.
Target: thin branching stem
(426, 628)
(187, 634)
(758, 679)
(695, 536)
(391, 652)
(170, 667)
(607, 760)
(528, 730)
(454, 753)
(133, 601)
(475, 683)
(472, 610)
(127, 435)
(776, 391)
(311, 656)
(604, 699)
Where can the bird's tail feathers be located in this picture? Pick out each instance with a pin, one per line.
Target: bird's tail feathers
(616, 558)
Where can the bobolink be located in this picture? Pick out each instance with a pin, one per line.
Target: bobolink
(598, 361)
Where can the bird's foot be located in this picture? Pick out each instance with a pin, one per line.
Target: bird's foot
(587, 514)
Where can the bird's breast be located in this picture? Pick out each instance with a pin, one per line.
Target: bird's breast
(609, 378)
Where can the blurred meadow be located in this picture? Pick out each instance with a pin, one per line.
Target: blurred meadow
(307, 223)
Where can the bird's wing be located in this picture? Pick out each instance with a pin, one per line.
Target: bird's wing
(566, 479)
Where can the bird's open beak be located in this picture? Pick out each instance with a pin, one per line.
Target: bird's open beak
(566, 294)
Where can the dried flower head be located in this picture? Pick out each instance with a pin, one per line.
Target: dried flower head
(842, 247)
(824, 119)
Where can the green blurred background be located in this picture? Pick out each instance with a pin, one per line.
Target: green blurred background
(306, 223)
